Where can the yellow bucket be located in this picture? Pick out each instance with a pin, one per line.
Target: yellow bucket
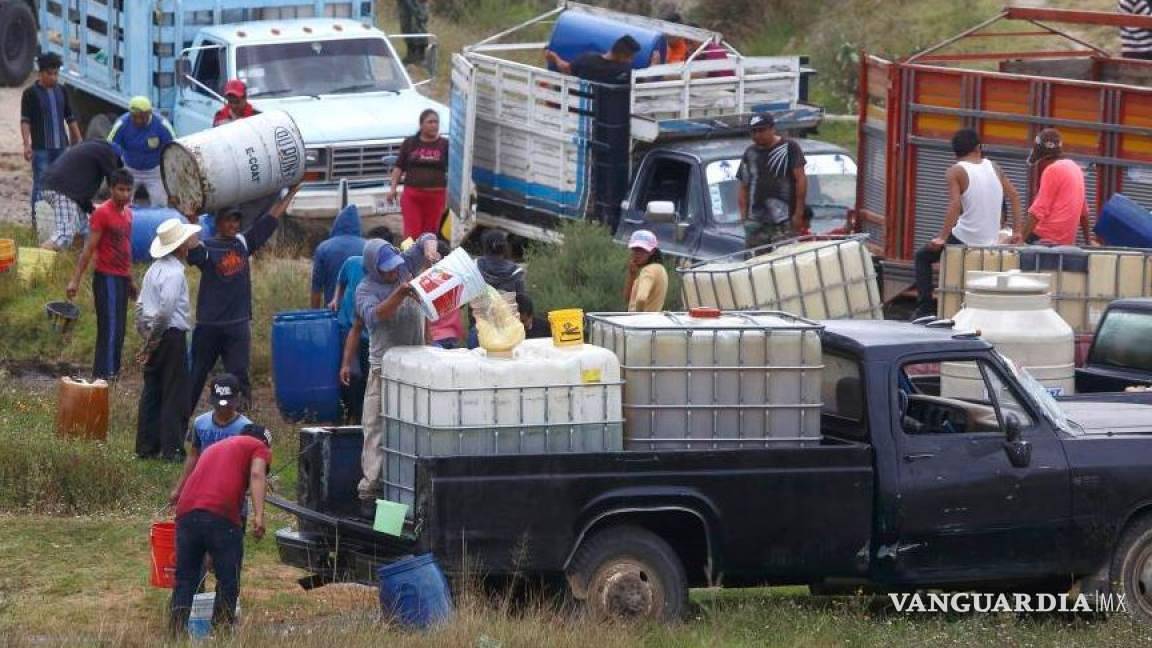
(7, 254)
(32, 262)
(567, 326)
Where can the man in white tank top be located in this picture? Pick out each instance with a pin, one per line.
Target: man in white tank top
(976, 191)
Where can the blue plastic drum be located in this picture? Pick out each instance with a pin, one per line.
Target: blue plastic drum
(306, 365)
(414, 592)
(577, 33)
(145, 221)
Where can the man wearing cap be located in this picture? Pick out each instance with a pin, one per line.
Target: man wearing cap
(1060, 204)
(163, 318)
(222, 422)
(47, 124)
(69, 186)
(208, 521)
(385, 304)
(139, 136)
(224, 301)
(772, 185)
(236, 94)
(614, 67)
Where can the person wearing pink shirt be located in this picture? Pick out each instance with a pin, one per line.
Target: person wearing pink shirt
(1060, 205)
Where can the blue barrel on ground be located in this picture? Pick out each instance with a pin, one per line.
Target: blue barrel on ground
(145, 220)
(577, 33)
(1124, 223)
(414, 592)
(306, 365)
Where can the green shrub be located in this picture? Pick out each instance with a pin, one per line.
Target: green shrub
(586, 271)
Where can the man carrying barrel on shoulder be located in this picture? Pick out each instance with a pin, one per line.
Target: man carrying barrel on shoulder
(385, 304)
(224, 304)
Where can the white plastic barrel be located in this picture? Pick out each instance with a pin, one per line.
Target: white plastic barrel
(234, 163)
(1013, 311)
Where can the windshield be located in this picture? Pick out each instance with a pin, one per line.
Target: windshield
(319, 67)
(831, 184)
(1039, 394)
(1122, 341)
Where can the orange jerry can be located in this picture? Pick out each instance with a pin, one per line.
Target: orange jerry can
(82, 409)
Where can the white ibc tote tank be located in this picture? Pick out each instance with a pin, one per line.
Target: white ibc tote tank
(233, 163)
(1013, 311)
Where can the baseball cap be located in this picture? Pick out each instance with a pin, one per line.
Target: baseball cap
(225, 390)
(762, 120)
(1048, 143)
(258, 432)
(236, 88)
(389, 258)
(644, 240)
(140, 104)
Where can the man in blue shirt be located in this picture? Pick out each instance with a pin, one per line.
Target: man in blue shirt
(344, 241)
(47, 124)
(219, 423)
(139, 136)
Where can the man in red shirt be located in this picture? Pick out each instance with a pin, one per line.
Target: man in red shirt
(236, 93)
(112, 284)
(1059, 205)
(208, 521)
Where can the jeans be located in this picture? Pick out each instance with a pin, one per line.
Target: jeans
(353, 394)
(230, 342)
(199, 533)
(925, 257)
(41, 160)
(110, 293)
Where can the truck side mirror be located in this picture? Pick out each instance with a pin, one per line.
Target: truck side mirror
(183, 69)
(660, 211)
(1018, 450)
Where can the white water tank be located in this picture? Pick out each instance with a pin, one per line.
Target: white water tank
(711, 379)
(461, 402)
(1013, 311)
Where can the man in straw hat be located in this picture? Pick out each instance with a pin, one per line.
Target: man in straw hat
(139, 137)
(383, 305)
(163, 318)
(1060, 205)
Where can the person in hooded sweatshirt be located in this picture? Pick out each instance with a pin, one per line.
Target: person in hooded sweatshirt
(499, 271)
(344, 241)
(386, 306)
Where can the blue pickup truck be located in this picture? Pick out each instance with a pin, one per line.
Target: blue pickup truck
(322, 61)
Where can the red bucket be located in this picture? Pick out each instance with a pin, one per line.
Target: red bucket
(162, 538)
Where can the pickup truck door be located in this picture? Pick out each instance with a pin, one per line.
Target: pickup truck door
(965, 513)
(195, 107)
(669, 178)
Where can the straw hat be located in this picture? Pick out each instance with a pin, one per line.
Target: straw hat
(170, 235)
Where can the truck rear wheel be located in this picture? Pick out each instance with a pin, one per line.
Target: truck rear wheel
(17, 42)
(629, 572)
(1132, 569)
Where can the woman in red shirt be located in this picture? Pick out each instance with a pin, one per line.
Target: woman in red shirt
(423, 166)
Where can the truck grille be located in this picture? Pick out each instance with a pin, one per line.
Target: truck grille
(357, 162)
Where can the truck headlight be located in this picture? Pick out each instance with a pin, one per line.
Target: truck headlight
(315, 158)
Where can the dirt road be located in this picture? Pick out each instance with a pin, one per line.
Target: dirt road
(15, 173)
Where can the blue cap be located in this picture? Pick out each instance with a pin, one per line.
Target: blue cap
(389, 258)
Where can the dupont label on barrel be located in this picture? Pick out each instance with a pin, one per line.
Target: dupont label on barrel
(234, 163)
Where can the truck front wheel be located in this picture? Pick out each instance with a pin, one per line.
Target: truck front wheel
(17, 42)
(628, 572)
(1132, 569)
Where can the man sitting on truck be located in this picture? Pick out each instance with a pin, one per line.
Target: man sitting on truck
(615, 67)
(976, 190)
(139, 136)
(1060, 204)
(236, 94)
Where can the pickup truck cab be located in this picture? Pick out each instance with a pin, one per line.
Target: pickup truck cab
(324, 63)
(909, 486)
(699, 178)
(1120, 356)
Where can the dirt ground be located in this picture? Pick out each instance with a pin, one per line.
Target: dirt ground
(15, 173)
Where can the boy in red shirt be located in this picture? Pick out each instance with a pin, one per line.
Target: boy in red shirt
(1059, 206)
(112, 284)
(208, 521)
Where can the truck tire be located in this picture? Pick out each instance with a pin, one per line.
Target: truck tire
(628, 572)
(1131, 572)
(17, 42)
(99, 126)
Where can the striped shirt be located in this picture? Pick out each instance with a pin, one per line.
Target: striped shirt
(47, 113)
(1134, 40)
